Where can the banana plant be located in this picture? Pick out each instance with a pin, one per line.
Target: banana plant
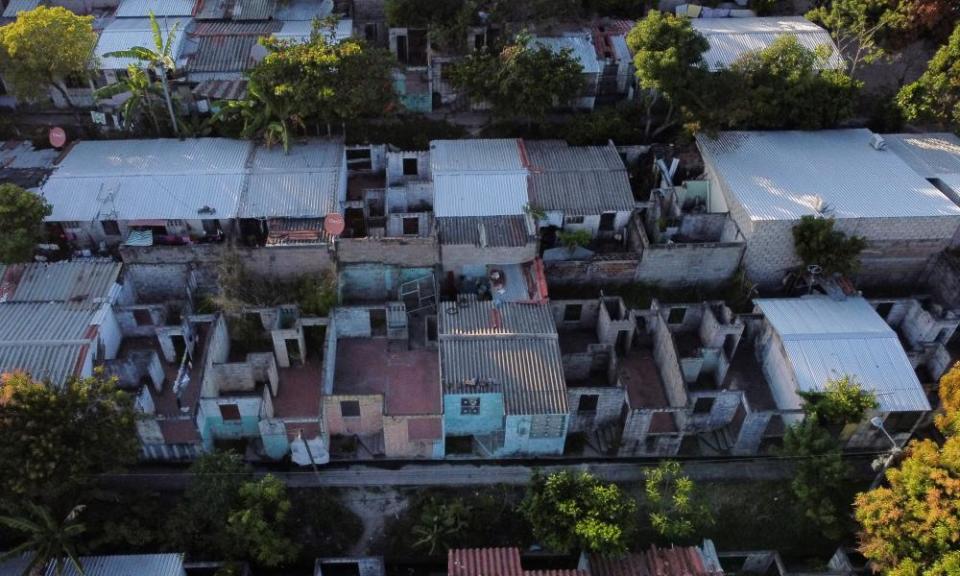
(48, 540)
(264, 115)
(142, 91)
(159, 58)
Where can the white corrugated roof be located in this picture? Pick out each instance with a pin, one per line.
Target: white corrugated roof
(303, 10)
(305, 183)
(131, 565)
(467, 156)
(827, 339)
(479, 195)
(300, 30)
(581, 47)
(731, 38)
(15, 6)
(784, 175)
(932, 155)
(146, 179)
(55, 363)
(143, 8)
(125, 33)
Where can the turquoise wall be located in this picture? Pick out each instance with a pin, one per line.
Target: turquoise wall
(246, 427)
(517, 440)
(489, 420)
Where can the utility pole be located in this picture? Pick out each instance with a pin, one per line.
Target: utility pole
(883, 462)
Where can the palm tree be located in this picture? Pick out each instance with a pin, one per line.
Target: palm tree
(47, 540)
(141, 101)
(158, 58)
(264, 115)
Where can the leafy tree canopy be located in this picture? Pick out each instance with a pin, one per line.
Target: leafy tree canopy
(948, 421)
(816, 242)
(912, 526)
(44, 46)
(258, 525)
(676, 511)
(569, 511)
(48, 539)
(858, 27)
(935, 96)
(21, 216)
(54, 439)
(525, 80)
(819, 475)
(843, 401)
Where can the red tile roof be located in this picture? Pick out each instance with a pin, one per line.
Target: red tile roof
(484, 562)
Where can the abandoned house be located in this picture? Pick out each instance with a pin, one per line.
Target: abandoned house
(768, 180)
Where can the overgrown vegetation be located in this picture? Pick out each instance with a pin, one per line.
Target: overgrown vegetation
(315, 294)
(570, 511)
(817, 243)
(21, 218)
(911, 527)
(935, 96)
(677, 512)
(843, 401)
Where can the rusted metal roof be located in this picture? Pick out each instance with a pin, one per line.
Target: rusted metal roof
(486, 231)
(77, 282)
(484, 562)
(226, 46)
(675, 561)
(236, 9)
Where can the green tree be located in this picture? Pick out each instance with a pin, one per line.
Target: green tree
(263, 115)
(525, 80)
(912, 526)
(54, 439)
(817, 243)
(47, 540)
(160, 58)
(258, 525)
(197, 524)
(948, 420)
(141, 102)
(819, 475)
(440, 524)
(676, 511)
(668, 57)
(843, 401)
(859, 26)
(569, 511)
(43, 47)
(784, 85)
(935, 96)
(21, 217)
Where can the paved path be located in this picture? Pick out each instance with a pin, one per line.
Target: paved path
(357, 476)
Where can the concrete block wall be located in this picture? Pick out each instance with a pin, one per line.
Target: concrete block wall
(610, 403)
(397, 441)
(518, 440)
(156, 282)
(726, 403)
(397, 251)
(943, 279)
(668, 363)
(751, 433)
(618, 268)
(589, 313)
(233, 377)
(126, 317)
(453, 257)
(682, 265)
(368, 423)
(218, 349)
(395, 160)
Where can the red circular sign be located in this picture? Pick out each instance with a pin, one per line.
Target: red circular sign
(57, 137)
(334, 224)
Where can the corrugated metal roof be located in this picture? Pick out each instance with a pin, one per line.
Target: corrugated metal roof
(15, 6)
(303, 9)
(77, 281)
(301, 30)
(132, 565)
(25, 323)
(826, 339)
(731, 38)
(54, 363)
(673, 561)
(229, 28)
(22, 155)
(481, 318)
(484, 562)
(227, 53)
(580, 45)
(578, 179)
(515, 351)
(931, 155)
(783, 175)
(142, 8)
(471, 156)
(145, 179)
(254, 9)
(486, 231)
(475, 195)
(222, 89)
(125, 33)
(306, 183)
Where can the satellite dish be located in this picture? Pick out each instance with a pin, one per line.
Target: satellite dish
(57, 137)
(333, 224)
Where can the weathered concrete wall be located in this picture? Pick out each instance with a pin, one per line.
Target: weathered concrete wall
(589, 313)
(618, 268)
(943, 279)
(610, 402)
(398, 443)
(369, 422)
(156, 282)
(668, 363)
(519, 438)
(282, 262)
(407, 252)
(455, 257)
(395, 160)
(375, 282)
(682, 265)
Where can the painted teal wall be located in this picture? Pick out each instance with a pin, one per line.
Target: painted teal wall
(490, 418)
(517, 440)
(412, 102)
(246, 427)
(276, 446)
